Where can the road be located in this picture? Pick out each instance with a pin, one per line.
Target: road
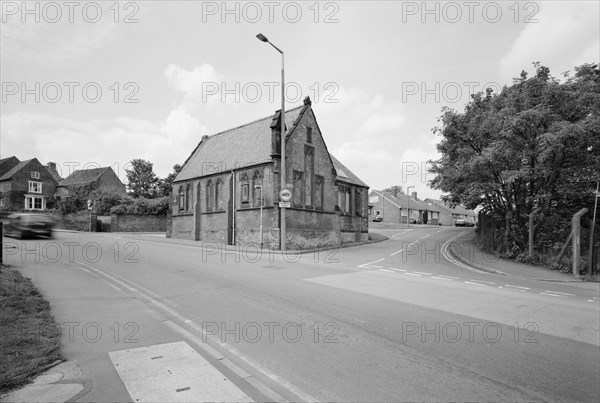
(388, 321)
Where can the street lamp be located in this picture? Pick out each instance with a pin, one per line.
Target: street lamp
(408, 206)
(261, 214)
(283, 232)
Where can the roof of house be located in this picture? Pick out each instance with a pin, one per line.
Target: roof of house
(5, 166)
(53, 173)
(405, 201)
(83, 176)
(344, 174)
(15, 169)
(242, 146)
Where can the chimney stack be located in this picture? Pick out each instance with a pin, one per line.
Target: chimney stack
(414, 195)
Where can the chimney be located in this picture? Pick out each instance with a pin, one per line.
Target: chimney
(396, 193)
(51, 167)
(414, 195)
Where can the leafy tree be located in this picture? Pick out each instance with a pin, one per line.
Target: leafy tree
(535, 145)
(394, 189)
(142, 181)
(165, 184)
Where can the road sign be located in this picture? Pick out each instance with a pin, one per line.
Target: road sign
(285, 204)
(289, 186)
(90, 204)
(285, 195)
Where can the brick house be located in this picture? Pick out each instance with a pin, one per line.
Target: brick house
(26, 185)
(95, 178)
(449, 214)
(394, 208)
(217, 193)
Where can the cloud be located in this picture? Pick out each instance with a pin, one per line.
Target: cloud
(566, 35)
(53, 43)
(74, 144)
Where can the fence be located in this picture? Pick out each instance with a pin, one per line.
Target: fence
(546, 244)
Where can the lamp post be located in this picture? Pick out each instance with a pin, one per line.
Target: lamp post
(261, 214)
(283, 231)
(408, 206)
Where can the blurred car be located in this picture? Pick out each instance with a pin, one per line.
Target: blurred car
(23, 225)
(462, 222)
(377, 218)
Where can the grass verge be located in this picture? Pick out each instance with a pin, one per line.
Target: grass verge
(29, 336)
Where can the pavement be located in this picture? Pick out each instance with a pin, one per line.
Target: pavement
(465, 249)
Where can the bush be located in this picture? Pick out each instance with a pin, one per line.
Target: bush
(142, 205)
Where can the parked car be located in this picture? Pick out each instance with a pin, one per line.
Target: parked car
(462, 222)
(23, 225)
(377, 218)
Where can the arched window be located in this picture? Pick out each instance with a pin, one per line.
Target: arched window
(188, 191)
(256, 184)
(219, 194)
(245, 191)
(348, 201)
(180, 198)
(210, 196)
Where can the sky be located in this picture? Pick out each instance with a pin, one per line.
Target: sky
(94, 84)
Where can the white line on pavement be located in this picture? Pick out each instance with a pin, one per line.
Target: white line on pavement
(470, 282)
(553, 295)
(441, 278)
(561, 293)
(420, 272)
(412, 274)
(516, 286)
(389, 271)
(481, 281)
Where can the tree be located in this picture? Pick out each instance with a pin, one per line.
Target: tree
(533, 146)
(142, 181)
(165, 184)
(396, 189)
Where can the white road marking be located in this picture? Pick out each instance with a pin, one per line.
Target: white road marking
(420, 272)
(172, 372)
(443, 275)
(516, 286)
(393, 268)
(395, 253)
(481, 281)
(553, 295)
(389, 271)
(370, 265)
(561, 293)
(441, 278)
(426, 236)
(258, 367)
(412, 274)
(470, 282)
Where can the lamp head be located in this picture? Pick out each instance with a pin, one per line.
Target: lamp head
(262, 37)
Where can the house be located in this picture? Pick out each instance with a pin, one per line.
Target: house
(217, 194)
(394, 208)
(26, 185)
(89, 180)
(448, 214)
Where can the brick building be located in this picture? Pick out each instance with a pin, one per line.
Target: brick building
(92, 179)
(217, 193)
(395, 208)
(448, 214)
(26, 185)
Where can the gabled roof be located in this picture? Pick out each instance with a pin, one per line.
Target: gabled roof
(83, 176)
(7, 163)
(242, 146)
(344, 174)
(402, 201)
(15, 169)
